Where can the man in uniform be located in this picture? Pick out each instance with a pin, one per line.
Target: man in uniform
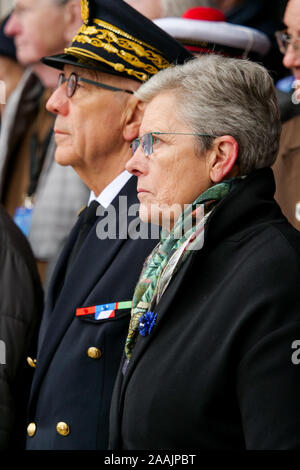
(287, 165)
(87, 312)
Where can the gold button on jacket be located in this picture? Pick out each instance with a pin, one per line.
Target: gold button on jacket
(62, 429)
(31, 362)
(31, 429)
(94, 353)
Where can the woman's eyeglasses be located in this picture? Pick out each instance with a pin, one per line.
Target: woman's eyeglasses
(73, 80)
(147, 140)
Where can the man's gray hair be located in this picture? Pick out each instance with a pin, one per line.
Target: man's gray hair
(223, 96)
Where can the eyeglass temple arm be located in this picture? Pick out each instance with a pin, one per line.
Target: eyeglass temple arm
(102, 85)
(182, 133)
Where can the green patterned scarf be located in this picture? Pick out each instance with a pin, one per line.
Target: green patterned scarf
(173, 249)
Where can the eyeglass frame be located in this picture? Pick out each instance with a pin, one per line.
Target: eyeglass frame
(290, 41)
(62, 79)
(139, 140)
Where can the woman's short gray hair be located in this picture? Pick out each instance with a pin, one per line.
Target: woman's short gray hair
(223, 96)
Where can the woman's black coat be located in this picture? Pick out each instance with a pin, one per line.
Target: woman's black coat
(220, 369)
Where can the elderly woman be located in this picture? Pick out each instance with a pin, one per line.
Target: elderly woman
(211, 358)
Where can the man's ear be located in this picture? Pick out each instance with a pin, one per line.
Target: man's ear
(72, 19)
(133, 118)
(223, 158)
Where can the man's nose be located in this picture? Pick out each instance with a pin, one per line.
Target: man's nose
(58, 102)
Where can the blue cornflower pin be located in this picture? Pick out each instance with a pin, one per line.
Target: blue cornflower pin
(146, 323)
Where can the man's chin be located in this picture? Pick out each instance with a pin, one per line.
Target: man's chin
(63, 159)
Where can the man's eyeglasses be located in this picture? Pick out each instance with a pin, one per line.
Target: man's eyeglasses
(284, 39)
(148, 140)
(73, 80)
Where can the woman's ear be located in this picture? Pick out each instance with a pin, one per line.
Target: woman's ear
(133, 118)
(72, 19)
(223, 158)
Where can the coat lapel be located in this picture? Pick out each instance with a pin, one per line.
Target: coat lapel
(162, 310)
(60, 268)
(87, 270)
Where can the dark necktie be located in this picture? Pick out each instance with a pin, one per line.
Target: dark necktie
(88, 219)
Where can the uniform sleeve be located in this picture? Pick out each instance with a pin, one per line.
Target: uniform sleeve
(268, 390)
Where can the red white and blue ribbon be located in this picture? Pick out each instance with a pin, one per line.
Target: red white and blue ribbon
(104, 311)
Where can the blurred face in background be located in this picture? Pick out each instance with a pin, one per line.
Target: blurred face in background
(41, 28)
(37, 28)
(291, 19)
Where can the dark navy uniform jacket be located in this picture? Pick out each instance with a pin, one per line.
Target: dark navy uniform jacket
(72, 386)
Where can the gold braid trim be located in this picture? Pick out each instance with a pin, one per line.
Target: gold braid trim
(79, 53)
(126, 56)
(120, 32)
(84, 32)
(112, 44)
(85, 12)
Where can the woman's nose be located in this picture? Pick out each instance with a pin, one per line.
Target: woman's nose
(137, 164)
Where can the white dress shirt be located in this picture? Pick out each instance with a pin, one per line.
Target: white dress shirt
(108, 194)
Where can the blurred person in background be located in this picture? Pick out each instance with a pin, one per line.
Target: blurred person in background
(203, 30)
(42, 196)
(21, 294)
(287, 165)
(21, 308)
(248, 32)
(253, 13)
(11, 70)
(262, 15)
